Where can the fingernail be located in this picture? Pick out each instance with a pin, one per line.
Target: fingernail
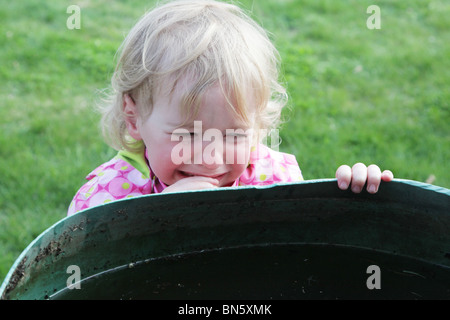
(371, 188)
(343, 185)
(356, 189)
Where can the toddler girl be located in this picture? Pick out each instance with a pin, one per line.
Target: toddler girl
(195, 92)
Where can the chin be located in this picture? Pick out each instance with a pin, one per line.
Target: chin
(226, 184)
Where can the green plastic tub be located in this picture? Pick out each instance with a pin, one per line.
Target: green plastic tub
(306, 240)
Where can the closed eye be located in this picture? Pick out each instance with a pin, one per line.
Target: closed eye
(237, 135)
(182, 133)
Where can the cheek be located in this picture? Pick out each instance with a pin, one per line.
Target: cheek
(160, 157)
(181, 151)
(238, 153)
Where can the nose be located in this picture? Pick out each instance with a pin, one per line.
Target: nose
(210, 155)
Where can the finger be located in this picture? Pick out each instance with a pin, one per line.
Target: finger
(201, 179)
(189, 187)
(359, 177)
(373, 178)
(387, 175)
(343, 176)
(193, 183)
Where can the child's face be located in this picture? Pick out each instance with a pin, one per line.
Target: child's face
(175, 154)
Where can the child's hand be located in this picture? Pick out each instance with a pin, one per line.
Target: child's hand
(359, 174)
(193, 183)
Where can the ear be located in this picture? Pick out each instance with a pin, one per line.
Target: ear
(131, 117)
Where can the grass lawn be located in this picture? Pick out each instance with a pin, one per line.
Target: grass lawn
(377, 96)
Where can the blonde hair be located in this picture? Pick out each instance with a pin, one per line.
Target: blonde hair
(207, 41)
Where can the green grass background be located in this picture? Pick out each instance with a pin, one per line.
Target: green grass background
(376, 96)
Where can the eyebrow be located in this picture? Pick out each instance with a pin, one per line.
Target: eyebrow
(190, 126)
(186, 125)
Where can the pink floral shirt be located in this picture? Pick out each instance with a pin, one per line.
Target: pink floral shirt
(128, 175)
